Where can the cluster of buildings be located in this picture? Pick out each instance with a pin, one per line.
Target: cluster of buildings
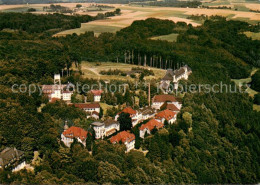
(164, 109)
(157, 118)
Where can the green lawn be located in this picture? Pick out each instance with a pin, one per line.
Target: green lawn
(170, 38)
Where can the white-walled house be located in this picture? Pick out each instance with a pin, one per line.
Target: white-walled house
(97, 95)
(58, 91)
(175, 76)
(127, 138)
(69, 134)
(12, 158)
(105, 129)
(88, 107)
(149, 126)
(159, 100)
(168, 115)
(135, 115)
(147, 113)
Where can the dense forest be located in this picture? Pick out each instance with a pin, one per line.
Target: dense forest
(215, 140)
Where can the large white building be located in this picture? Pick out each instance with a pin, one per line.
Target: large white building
(159, 100)
(69, 134)
(105, 129)
(174, 77)
(58, 91)
(127, 138)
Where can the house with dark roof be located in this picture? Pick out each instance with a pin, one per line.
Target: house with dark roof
(149, 126)
(12, 158)
(69, 134)
(175, 76)
(126, 138)
(106, 128)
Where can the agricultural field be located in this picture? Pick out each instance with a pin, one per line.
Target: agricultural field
(92, 70)
(131, 13)
(170, 38)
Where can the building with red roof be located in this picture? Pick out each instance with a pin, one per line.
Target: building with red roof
(97, 95)
(72, 133)
(159, 100)
(88, 107)
(172, 107)
(149, 126)
(168, 115)
(126, 138)
(133, 114)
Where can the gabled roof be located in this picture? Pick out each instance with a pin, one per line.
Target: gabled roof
(164, 98)
(151, 124)
(96, 92)
(128, 110)
(123, 136)
(8, 154)
(86, 105)
(172, 107)
(166, 114)
(75, 132)
(95, 113)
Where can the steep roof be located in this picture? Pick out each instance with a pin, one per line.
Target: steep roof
(167, 114)
(8, 154)
(164, 98)
(86, 105)
(96, 92)
(128, 110)
(172, 107)
(179, 72)
(151, 124)
(123, 136)
(75, 132)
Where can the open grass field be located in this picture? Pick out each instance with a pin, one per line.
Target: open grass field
(250, 91)
(91, 70)
(170, 38)
(254, 36)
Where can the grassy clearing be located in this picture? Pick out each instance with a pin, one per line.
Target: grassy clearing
(240, 82)
(91, 70)
(170, 38)
(105, 106)
(254, 36)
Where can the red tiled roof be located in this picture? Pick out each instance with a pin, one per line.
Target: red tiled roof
(96, 92)
(86, 105)
(122, 136)
(76, 132)
(53, 100)
(172, 107)
(167, 114)
(128, 110)
(151, 124)
(164, 98)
